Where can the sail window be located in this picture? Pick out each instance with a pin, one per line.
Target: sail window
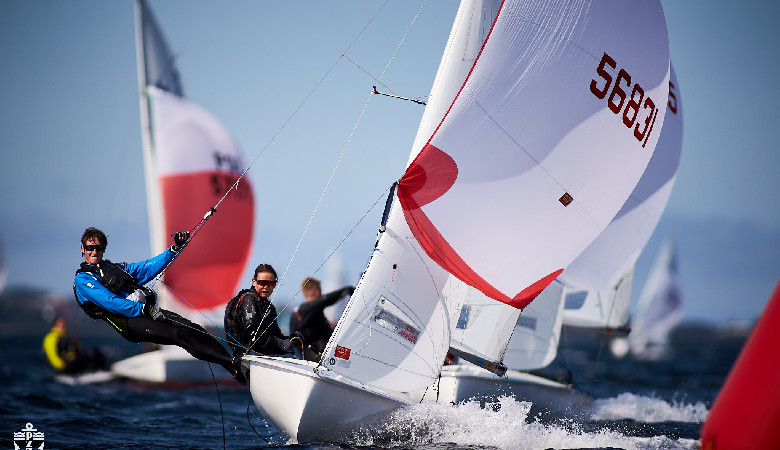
(575, 300)
(463, 319)
(391, 317)
(527, 322)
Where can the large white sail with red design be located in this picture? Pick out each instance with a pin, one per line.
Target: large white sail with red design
(549, 134)
(190, 162)
(543, 142)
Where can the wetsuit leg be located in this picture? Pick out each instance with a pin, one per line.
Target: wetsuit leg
(181, 332)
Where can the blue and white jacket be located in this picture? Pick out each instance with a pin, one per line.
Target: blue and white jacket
(88, 286)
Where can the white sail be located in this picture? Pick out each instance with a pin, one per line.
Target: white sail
(599, 282)
(534, 343)
(574, 169)
(660, 304)
(493, 155)
(599, 309)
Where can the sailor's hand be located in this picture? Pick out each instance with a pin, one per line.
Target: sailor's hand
(179, 240)
(154, 312)
(348, 291)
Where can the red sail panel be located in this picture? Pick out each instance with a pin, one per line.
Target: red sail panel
(430, 175)
(746, 413)
(207, 273)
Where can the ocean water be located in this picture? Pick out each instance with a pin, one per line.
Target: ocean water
(638, 405)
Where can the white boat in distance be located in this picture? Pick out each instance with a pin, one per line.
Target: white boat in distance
(540, 146)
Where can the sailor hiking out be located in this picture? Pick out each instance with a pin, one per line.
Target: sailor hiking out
(115, 293)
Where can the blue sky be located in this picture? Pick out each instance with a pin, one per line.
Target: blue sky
(71, 142)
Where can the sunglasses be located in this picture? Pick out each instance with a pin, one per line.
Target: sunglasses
(264, 283)
(100, 248)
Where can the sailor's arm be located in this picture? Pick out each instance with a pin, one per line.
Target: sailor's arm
(145, 271)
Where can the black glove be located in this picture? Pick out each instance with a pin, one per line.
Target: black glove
(348, 291)
(150, 297)
(154, 312)
(179, 240)
(295, 343)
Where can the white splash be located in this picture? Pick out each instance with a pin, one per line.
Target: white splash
(503, 425)
(647, 409)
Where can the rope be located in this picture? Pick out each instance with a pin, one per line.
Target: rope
(346, 145)
(194, 231)
(219, 399)
(354, 227)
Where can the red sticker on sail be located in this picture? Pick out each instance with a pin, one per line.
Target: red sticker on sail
(342, 352)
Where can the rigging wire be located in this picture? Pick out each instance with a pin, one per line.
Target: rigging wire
(340, 158)
(349, 233)
(196, 229)
(354, 128)
(219, 399)
(234, 186)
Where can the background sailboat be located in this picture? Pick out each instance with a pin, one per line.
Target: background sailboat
(190, 162)
(497, 194)
(660, 307)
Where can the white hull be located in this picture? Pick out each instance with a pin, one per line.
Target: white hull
(465, 382)
(101, 376)
(168, 365)
(308, 402)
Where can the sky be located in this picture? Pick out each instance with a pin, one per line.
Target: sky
(324, 151)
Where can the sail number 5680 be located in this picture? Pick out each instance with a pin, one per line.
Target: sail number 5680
(640, 112)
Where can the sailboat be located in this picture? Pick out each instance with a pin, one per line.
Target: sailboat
(190, 162)
(660, 307)
(518, 164)
(535, 334)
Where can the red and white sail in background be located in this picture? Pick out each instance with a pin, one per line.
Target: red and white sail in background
(190, 163)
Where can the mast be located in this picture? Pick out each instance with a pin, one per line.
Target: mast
(153, 204)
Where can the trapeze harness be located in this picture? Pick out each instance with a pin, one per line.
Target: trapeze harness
(118, 281)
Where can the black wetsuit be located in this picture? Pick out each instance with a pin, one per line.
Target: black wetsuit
(309, 319)
(251, 320)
